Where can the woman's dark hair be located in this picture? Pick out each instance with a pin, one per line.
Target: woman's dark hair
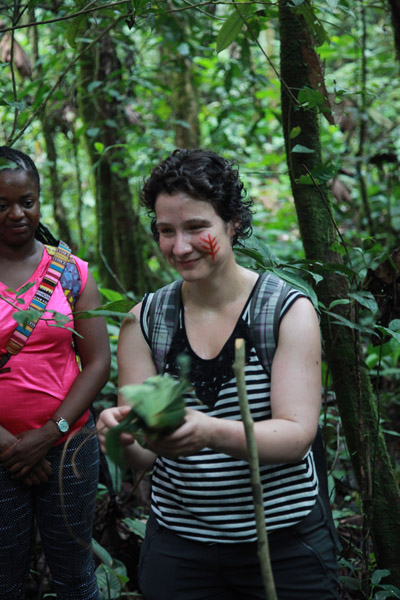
(203, 175)
(21, 161)
(15, 160)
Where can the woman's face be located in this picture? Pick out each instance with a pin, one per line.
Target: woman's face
(19, 207)
(193, 238)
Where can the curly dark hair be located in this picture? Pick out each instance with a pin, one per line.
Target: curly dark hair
(203, 175)
(22, 162)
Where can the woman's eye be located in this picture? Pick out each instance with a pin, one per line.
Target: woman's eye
(28, 203)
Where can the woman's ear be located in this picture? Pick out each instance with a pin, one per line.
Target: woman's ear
(235, 226)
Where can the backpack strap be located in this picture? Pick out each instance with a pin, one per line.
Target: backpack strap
(21, 333)
(162, 321)
(70, 279)
(265, 308)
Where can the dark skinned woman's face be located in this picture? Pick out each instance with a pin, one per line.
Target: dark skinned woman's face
(19, 207)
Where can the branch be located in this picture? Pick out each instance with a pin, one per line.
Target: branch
(59, 80)
(262, 538)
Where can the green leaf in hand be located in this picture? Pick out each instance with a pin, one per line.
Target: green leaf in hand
(158, 407)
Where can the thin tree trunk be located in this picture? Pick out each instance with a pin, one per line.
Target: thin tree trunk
(59, 212)
(355, 398)
(122, 238)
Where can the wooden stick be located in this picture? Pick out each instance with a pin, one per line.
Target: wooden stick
(262, 537)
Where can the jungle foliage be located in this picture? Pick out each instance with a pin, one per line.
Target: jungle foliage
(97, 92)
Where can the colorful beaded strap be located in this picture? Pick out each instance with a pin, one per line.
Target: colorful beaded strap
(39, 302)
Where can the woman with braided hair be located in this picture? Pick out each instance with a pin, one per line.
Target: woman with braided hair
(45, 396)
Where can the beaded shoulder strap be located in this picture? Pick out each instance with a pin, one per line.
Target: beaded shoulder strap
(39, 302)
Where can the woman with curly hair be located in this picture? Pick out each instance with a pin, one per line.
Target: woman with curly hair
(201, 539)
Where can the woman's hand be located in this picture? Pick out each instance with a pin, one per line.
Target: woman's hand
(27, 452)
(109, 418)
(40, 473)
(191, 437)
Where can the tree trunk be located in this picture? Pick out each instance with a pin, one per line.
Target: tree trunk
(48, 128)
(122, 238)
(355, 398)
(59, 213)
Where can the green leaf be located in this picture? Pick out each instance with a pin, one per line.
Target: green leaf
(158, 407)
(351, 583)
(99, 146)
(297, 283)
(111, 295)
(314, 24)
(378, 575)
(77, 26)
(118, 309)
(295, 132)
(339, 320)
(366, 299)
(298, 148)
(24, 317)
(232, 26)
(137, 526)
(388, 331)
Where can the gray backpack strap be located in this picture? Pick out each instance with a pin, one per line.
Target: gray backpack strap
(162, 321)
(265, 308)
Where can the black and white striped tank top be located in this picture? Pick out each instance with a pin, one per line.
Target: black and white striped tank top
(207, 496)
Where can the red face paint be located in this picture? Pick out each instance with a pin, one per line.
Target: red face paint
(36, 218)
(211, 245)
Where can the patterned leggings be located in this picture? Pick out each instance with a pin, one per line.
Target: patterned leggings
(69, 556)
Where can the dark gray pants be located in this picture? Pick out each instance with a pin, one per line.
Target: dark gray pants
(67, 547)
(303, 561)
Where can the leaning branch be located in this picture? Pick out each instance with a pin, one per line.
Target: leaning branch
(262, 538)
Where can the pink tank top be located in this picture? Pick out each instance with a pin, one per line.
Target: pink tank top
(44, 370)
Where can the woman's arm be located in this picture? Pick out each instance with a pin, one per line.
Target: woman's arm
(295, 402)
(135, 364)
(94, 351)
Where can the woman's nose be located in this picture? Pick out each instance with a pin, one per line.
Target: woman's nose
(15, 211)
(181, 245)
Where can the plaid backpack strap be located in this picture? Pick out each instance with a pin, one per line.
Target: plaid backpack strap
(39, 302)
(269, 295)
(162, 321)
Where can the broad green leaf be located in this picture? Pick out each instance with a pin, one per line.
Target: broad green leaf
(118, 309)
(315, 25)
(310, 97)
(232, 26)
(378, 575)
(24, 317)
(158, 407)
(77, 26)
(101, 552)
(389, 331)
(137, 526)
(366, 299)
(99, 146)
(351, 583)
(297, 283)
(298, 148)
(111, 295)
